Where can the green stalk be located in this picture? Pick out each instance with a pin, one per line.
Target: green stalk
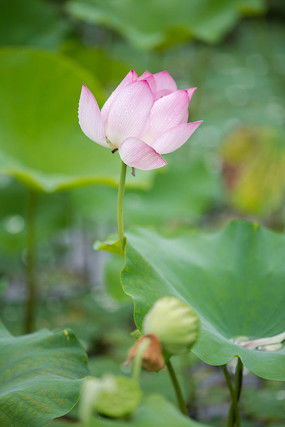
(31, 289)
(137, 364)
(230, 421)
(177, 389)
(235, 391)
(120, 216)
(238, 388)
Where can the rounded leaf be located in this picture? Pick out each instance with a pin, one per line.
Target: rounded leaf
(40, 376)
(234, 280)
(41, 141)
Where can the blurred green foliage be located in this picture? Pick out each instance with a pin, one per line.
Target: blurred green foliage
(42, 144)
(233, 166)
(31, 22)
(267, 404)
(247, 153)
(153, 23)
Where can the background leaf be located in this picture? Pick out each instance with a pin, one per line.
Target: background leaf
(32, 22)
(41, 141)
(154, 23)
(40, 376)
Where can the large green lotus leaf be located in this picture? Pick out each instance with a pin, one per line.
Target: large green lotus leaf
(152, 23)
(40, 376)
(41, 141)
(233, 278)
(31, 22)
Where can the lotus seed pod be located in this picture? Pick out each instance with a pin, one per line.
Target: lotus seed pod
(175, 324)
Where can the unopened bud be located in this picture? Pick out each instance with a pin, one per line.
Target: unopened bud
(174, 323)
(152, 358)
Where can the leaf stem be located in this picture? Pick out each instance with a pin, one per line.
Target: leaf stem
(235, 391)
(238, 388)
(120, 216)
(177, 389)
(137, 364)
(31, 289)
(232, 392)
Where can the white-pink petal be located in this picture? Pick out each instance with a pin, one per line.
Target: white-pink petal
(167, 112)
(129, 78)
(190, 92)
(144, 75)
(175, 137)
(148, 77)
(90, 118)
(164, 81)
(137, 154)
(129, 112)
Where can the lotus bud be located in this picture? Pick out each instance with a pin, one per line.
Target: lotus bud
(174, 323)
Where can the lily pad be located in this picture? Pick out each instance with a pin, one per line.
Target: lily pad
(41, 142)
(154, 23)
(234, 279)
(40, 376)
(32, 22)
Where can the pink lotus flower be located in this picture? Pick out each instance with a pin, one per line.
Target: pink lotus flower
(143, 118)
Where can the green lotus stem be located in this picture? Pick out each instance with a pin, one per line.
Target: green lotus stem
(235, 391)
(232, 392)
(137, 364)
(238, 388)
(177, 388)
(31, 289)
(120, 216)
(228, 379)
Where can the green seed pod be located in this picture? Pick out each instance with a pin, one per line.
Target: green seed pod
(175, 324)
(120, 401)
